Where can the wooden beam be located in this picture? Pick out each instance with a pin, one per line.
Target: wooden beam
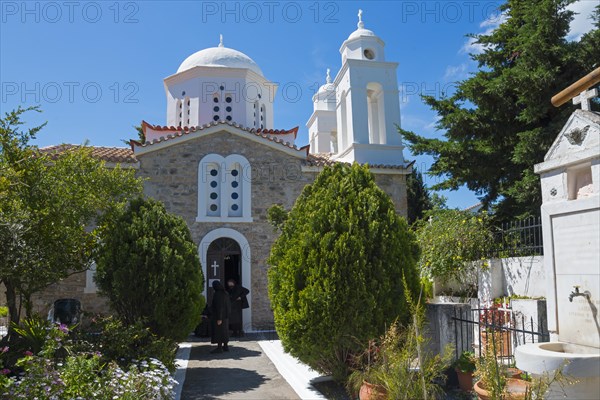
(588, 81)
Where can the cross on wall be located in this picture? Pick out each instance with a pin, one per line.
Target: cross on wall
(215, 267)
(585, 98)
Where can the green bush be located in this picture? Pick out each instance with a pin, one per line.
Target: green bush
(451, 240)
(148, 268)
(3, 311)
(32, 334)
(125, 344)
(336, 270)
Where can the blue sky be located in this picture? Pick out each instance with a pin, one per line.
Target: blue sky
(96, 68)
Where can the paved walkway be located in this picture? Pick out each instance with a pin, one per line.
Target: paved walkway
(244, 372)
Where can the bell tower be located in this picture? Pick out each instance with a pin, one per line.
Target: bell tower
(368, 107)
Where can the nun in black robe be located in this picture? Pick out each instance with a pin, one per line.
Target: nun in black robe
(219, 313)
(239, 301)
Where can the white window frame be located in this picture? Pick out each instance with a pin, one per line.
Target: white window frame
(226, 190)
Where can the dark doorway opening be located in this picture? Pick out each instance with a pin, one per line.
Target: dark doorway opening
(223, 259)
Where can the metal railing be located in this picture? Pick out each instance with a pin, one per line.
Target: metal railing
(520, 238)
(499, 329)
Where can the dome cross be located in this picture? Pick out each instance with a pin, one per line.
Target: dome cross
(328, 76)
(360, 24)
(221, 40)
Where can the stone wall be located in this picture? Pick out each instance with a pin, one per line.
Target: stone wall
(71, 287)
(171, 175)
(276, 179)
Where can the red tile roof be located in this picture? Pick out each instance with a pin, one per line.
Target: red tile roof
(270, 134)
(110, 154)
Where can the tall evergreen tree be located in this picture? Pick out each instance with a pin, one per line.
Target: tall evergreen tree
(500, 121)
(418, 196)
(337, 270)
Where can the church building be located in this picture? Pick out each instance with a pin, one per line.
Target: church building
(220, 163)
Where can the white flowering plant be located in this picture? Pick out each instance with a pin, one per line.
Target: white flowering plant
(60, 372)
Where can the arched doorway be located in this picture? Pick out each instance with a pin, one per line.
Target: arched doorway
(223, 259)
(245, 265)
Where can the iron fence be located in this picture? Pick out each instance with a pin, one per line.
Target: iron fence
(520, 238)
(497, 329)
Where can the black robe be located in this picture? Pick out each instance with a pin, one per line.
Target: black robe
(235, 318)
(220, 310)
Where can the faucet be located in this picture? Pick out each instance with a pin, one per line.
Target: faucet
(577, 293)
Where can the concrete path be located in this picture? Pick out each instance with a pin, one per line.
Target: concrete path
(244, 372)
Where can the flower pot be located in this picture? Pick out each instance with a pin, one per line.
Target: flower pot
(513, 373)
(369, 391)
(501, 339)
(482, 394)
(516, 389)
(465, 380)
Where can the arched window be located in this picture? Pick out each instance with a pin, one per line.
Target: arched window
(334, 142)
(224, 189)
(343, 121)
(256, 115)
(179, 112)
(263, 117)
(217, 107)
(375, 111)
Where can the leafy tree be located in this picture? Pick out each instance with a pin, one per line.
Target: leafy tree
(48, 202)
(418, 196)
(148, 267)
(500, 122)
(336, 272)
(451, 240)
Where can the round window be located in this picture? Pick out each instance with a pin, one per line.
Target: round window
(234, 207)
(228, 118)
(216, 117)
(228, 109)
(234, 172)
(213, 207)
(222, 87)
(213, 196)
(216, 109)
(228, 99)
(216, 99)
(213, 172)
(234, 184)
(234, 196)
(369, 54)
(213, 184)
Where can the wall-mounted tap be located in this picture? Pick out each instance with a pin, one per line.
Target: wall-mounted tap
(577, 293)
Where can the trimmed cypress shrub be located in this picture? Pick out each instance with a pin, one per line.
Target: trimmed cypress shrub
(335, 279)
(148, 268)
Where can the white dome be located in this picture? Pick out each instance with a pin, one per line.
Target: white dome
(219, 57)
(361, 32)
(327, 90)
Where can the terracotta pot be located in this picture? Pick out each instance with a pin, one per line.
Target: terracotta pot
(513, 373)
(369, 391)
(482, 394)
(465, 380)
(501, 340)
(516, 389)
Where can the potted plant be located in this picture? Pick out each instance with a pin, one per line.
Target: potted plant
(398, 364)
(464, 367)
(365, 378)
(493, 383)
(495, 337)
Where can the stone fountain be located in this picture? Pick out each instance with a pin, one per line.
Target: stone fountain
(570, 179)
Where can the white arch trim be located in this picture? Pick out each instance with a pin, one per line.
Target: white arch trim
(246, 264)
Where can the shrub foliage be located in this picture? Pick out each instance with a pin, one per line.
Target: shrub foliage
(148, 268)
(336, 270)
